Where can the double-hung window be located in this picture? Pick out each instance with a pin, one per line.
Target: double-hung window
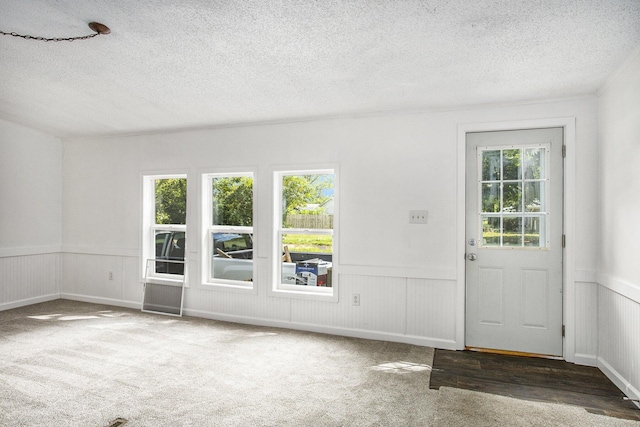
(164, 226)
(227, 239)
(305, 220)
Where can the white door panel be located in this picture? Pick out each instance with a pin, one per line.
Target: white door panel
(514, 241)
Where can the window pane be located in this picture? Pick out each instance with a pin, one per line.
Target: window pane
(491, 197)
(162, 240)
(534, 163)
(307, 201)
(233, 201)
(307, 259)
(534, 227)
(511, 164)
(237, 245)
(171, 201)
(232, 256)
(490, 231)
(491, 165)
(534, 197)
(170, 246)
(512, 197)
(512, 231)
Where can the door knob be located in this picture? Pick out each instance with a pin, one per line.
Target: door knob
(472, 257)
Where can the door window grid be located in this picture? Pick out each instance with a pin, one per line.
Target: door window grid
(513, 198)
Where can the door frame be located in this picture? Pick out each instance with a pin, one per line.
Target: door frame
(568, 218)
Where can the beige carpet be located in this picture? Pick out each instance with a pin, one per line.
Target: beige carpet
(67, 363)
(73, 364)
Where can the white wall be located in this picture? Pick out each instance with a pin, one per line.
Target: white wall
(30, 215)
(619, 239)
(406, 274)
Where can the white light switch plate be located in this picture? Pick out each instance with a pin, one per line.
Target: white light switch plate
(418, 217)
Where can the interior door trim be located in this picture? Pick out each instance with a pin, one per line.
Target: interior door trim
(569, 221)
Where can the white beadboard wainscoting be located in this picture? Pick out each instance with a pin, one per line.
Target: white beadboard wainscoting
(586, 323)
(106, 279)
(412, 310)
(619, 340)
(29, 279)
(405, 309)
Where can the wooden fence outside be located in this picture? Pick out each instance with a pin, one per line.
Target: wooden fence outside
(309, 221)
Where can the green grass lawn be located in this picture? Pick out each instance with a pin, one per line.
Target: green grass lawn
(508, 239)
(308, 243)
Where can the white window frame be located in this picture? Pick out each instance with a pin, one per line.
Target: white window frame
(207, 227)
(149, 228)
(296, 291)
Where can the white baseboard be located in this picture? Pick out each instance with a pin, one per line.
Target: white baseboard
(331, 330)
(28, 301)
(618, 379)
(98, 300)
(585, 359)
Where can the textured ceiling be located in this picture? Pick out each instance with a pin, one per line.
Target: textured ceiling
(193, 63)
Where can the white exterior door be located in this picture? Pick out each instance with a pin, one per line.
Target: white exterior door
(514, 182)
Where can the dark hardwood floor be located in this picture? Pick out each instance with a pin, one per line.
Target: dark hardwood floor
(529, 378)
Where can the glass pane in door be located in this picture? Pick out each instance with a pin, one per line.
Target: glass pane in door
(491, 165)
(511, 164)
(491, 231)
(512, 231)
(534, 227)
(512, 197)
(491, 197)
(534, 163)
(533, 200)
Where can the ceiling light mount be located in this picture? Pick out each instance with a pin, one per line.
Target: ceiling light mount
(97, 27)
